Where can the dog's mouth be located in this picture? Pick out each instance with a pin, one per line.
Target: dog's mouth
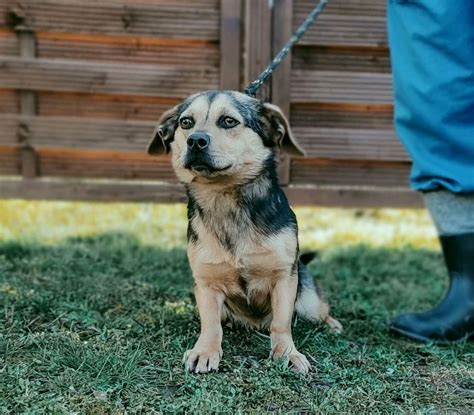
(208, 168)
(202, 165)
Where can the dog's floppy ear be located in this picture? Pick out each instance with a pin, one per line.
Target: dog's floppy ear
(164, 132)
(281, 131)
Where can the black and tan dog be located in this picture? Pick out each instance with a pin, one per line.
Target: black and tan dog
(242, 234)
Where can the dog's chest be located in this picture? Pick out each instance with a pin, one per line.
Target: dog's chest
(234, 256)
(230, 248)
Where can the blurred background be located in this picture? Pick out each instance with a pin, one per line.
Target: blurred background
(82, 83)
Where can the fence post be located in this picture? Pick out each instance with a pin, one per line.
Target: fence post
(280, 81)
(258, 33)
(230, 44)
(28, 108)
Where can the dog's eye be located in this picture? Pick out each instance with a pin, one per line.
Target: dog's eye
(228, 122)
(186, 123)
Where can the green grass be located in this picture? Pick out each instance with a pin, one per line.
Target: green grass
(96, 311)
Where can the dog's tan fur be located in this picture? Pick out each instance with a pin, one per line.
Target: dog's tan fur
(243, 273)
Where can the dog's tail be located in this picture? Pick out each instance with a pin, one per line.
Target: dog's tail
(310, 302)
(307, 257)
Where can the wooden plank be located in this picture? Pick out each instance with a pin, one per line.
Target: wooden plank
(44, 189)
(127, 50)
(258, 44)
(123, 39)
(8, 129)
(100, 164)
(322, 172)
(8, 102)
(353, 197)
(342, 87)
(230, 44)
(344, 22)
(80, 133)
(117, 135)
(8, 43)
(190, 19)
(105, 78)
(351, 144)
(336, 115)
(341, 58)
(60, 104)
(9, 160)
(375, 8)
(87, 190)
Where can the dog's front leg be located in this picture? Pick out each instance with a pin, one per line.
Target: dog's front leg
(283, 301)
(207, 352)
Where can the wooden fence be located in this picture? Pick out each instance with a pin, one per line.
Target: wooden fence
(82, 83)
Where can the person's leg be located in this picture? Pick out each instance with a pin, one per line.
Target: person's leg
(432, 55)
(452, 319)
(432, 58)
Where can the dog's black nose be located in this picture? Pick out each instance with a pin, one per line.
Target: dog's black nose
(198, 141)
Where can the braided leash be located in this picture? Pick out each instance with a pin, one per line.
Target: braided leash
(254, 86)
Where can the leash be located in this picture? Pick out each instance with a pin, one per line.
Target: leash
(254, 86)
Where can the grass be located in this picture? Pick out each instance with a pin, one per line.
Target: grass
(96, 311)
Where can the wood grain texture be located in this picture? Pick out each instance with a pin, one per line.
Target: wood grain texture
(94, 106)
(105, 78)
(9, 124)
(258, 42)
(355, 197)
(9, 102)
(9, 160)
(28, 108)
(74, 133)
(353, 173)
(101, 164)
(341, 58)
(341, 86)
(8, 43)
(127, 50)
(133, 136)
(351, 144)
(45, 189)
(196, 19)
(230, 44)
(87, 190)
(280, 79)
(342, 115)
(344, 22)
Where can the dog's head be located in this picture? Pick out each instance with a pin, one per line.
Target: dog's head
(213, 135)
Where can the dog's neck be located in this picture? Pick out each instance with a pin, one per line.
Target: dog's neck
(214, 196)
(250, 210)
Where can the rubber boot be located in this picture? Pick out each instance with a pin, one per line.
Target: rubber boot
(452, 320)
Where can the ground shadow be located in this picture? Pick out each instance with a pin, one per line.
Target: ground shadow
(99, 322)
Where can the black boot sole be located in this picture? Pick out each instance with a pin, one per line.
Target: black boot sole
(422, 339)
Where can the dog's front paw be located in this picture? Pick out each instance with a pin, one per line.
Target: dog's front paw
(202, 361)
(298, 360)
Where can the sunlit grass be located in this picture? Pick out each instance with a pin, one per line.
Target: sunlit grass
(165, 225)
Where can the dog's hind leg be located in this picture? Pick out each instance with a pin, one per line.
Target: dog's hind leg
(310, 303)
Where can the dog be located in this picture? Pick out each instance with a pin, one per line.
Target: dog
(242, 234)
